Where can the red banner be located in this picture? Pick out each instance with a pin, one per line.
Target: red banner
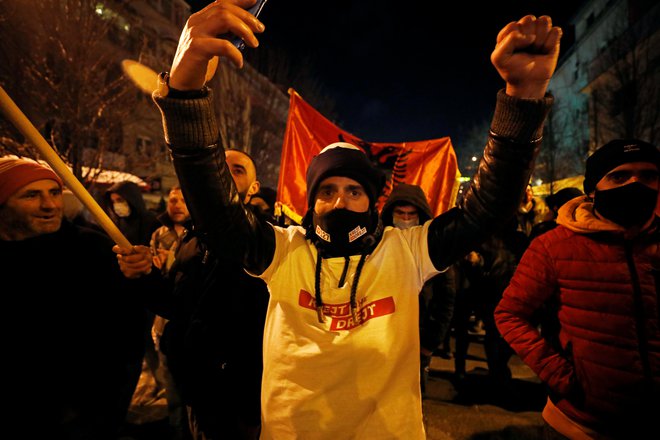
(430, 164)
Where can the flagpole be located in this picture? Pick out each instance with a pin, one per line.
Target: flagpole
(22, 123)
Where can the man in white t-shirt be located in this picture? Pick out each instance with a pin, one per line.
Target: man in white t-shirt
(341, 337)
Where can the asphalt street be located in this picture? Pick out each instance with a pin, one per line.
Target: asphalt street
(472, 409)
(467, 410)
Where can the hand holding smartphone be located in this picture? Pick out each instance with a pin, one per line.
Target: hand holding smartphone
(237, 41)
(233, 39)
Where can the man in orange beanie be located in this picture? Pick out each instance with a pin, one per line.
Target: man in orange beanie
(73, 327)
(33, 195)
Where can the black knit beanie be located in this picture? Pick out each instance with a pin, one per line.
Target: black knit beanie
(345, 160)
(615, 153)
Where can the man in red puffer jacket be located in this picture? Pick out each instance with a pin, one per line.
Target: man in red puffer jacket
(601, 265)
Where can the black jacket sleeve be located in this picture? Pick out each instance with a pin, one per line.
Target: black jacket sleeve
(221, 221)
(497, 187)
(233, 232)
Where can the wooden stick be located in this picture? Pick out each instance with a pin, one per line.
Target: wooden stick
(23, 124)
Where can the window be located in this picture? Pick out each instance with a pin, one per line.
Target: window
(143, 144)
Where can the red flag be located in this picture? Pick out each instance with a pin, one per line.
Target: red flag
(430, 164)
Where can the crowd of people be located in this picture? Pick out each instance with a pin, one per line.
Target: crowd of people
(231, 326)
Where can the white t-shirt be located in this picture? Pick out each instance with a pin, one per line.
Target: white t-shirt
(339, 380)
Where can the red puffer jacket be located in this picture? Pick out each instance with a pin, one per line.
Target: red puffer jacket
(606, 371)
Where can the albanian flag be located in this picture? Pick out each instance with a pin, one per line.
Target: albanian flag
(431, 164)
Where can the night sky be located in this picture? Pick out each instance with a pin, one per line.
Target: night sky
(400, 71)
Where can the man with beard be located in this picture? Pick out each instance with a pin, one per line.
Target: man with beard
(215, 312)
(601, 265)
(165, 241)
(341, 340)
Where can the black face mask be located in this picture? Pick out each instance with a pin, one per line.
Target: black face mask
(341, 232)
(629, 205)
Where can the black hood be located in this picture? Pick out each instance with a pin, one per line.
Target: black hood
(405, 194)
(131, 192)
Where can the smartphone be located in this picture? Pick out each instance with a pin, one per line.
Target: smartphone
(238, 41)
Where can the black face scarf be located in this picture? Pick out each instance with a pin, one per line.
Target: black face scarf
(629, 205)
(341, 232)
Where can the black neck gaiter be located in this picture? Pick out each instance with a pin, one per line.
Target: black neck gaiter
(629, 205)
(341, 232)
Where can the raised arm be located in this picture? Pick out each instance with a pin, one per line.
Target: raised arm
(192, 134)
(525, 56)
(199, 42)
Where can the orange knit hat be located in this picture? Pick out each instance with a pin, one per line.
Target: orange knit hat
(16, 173)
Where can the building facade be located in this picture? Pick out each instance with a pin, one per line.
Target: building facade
(606, 85)
(63, 66)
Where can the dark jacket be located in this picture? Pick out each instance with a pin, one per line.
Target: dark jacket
(72, 330)
(213, 339)
(436, 308)
(436, 300)
(407, 194)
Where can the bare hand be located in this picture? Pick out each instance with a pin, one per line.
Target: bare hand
(526, 55)
(160, 257)
(199, 41)
(135, 262)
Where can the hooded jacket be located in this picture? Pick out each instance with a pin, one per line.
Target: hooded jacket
(436, 300)
(605, 375)
(407, 194)
(141, 223)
